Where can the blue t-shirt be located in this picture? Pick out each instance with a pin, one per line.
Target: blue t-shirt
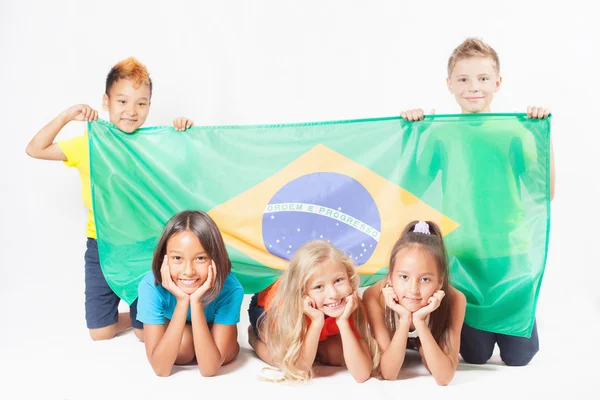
(155, 303)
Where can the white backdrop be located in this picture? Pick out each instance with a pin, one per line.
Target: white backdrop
(261, 62)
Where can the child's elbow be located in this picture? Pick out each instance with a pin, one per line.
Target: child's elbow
(30, 150)
(444, 380)
(162, 372)
(160, 368)
(388, 376)
(363, 377)
(208, 372)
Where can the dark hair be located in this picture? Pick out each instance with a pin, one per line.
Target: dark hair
(131, 69)
(205, 229)
(433, 245)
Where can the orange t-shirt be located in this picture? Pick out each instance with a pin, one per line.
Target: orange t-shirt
(330, 328)
(266, 295)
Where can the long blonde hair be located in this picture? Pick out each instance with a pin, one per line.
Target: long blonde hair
(285, 325)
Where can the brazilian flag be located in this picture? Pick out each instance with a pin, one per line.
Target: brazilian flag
(483, 178)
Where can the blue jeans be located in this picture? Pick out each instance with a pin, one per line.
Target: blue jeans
(477, 346)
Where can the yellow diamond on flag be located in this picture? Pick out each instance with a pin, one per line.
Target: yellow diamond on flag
(322, 195)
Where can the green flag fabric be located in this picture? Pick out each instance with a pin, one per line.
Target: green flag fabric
(483, 178)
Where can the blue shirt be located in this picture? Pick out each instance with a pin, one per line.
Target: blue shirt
(155, 303)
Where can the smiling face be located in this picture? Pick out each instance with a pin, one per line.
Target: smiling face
(127, 106)
(329, 287)
(188, 261)
(473, 82)
(415, 277)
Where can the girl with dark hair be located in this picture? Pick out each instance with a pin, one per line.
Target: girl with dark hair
(190, 301)
(415, 307)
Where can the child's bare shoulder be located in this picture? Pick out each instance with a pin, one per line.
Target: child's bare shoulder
(458, 297)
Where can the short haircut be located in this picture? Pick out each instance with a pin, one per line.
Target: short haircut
(473, 47)
(131, 69)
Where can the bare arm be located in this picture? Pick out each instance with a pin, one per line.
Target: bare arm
(162, 344)
(356, 353)
(442, 361)
(375, 311)
(215, 348)
(310, 344)
(260, 347)
(392, 358)
(394, 348)
(42, 145)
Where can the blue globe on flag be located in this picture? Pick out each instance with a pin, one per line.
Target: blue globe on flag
(322, 205)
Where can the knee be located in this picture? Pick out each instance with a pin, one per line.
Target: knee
(186, 350)
(519, 360)
(185, 357)
(102, 333)
(475, 357)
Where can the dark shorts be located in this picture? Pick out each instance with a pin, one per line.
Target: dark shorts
(255, 313)
(101, 303)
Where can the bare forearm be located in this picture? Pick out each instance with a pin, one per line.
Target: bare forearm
(439, 363)
(207, 353)
(358, 362)
(45, 137)
(310, 345)
(380, 331)
(165, 353)
(393, 357)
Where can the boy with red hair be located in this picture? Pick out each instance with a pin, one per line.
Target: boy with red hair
(127, 100)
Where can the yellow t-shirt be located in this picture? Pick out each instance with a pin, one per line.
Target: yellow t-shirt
(78, 156)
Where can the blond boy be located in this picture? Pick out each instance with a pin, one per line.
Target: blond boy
(474, 79)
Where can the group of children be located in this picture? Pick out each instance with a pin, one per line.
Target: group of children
(188, 304)
(314, 313)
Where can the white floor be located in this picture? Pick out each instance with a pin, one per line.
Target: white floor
(46, 353)
(264, 62)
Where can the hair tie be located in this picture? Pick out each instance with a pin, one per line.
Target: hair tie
(422, 227)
